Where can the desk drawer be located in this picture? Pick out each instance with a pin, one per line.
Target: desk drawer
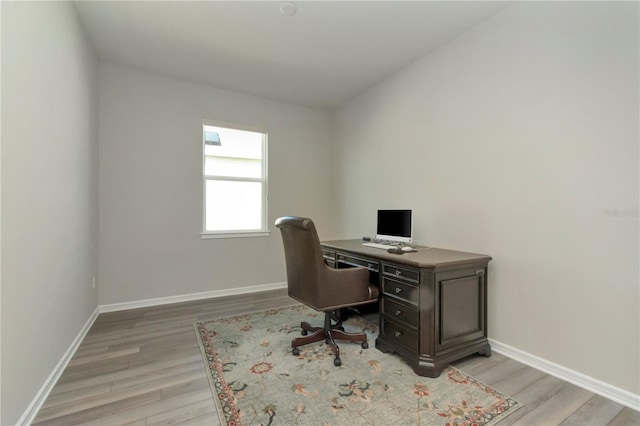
(404, 291)
(403, 273)
(399, 311)
(370, 264)
(397, 334)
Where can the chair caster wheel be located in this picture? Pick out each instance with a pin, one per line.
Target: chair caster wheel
(364, 345)
(304, 332)
(295, 351)
(337, 362)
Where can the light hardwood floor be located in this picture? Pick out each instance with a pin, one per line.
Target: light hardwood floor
(143, 367)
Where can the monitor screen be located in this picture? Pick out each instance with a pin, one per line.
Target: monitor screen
(394, 225)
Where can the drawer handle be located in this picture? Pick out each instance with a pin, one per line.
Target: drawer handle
(397, 333)
(398, 290)
(398, 312)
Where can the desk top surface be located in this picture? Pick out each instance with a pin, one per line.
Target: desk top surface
(424, 257)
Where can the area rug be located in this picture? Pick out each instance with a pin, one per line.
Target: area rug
(255, 379)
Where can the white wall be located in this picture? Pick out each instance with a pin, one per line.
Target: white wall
(151, 186)
(49, 193)
(515, 140)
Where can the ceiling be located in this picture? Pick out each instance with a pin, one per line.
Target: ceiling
(326, 53)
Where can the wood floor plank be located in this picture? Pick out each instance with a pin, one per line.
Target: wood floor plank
(185, 340)
(498, 371)
(143, 411)
(474, 364)
(144, 367)
(92, 414)
(93, 336)
(106, 399)
(186, 318)
(554, 410)
(140, 422)
(167, 334)
(183, 413)
(209, 419)
(159, 344)
(130, 331)
(77, 372)
(533, 396)
(598, 410)
(133, 338)
(177, 353)
(85, 351)
(134, 379)
(200, 384)
(518, 380)
(91, 380)
(626, 417)
(75, 395)
(103, 356)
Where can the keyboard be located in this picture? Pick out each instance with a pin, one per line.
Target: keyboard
(378, 246)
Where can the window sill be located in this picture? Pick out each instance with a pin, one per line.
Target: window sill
(237, 234)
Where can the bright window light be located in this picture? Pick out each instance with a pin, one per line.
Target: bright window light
(235, 180)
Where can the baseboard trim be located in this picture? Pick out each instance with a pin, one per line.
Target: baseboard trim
(190, 297)
(32, 410)
(611, 392)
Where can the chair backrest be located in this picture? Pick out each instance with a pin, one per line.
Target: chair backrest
(303, 255)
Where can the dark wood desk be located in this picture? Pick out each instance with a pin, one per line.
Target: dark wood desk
(433, 308)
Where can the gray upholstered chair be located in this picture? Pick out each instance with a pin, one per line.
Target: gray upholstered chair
(320, 287)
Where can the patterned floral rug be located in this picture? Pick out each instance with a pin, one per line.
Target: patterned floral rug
(255, 380)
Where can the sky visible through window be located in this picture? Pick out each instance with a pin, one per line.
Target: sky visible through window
(232, 202)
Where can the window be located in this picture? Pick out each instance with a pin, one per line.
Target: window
(234, 180)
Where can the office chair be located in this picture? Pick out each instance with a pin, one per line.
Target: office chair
(312, 282)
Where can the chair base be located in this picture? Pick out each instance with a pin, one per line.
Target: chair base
(329, 333)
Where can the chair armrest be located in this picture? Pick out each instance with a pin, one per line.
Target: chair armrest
(348, 286)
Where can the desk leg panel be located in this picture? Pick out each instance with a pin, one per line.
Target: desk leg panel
(427, 366)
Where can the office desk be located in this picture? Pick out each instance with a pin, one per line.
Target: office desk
(433, 308)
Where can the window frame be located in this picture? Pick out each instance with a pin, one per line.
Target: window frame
(264, 230)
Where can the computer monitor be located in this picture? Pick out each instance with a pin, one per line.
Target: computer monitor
(394, 225)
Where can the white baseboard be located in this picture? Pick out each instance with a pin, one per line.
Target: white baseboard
(611, 392)
(190, 297)
(32, 410)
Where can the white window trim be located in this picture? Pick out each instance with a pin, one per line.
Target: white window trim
(237, 233)
(233, 234)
